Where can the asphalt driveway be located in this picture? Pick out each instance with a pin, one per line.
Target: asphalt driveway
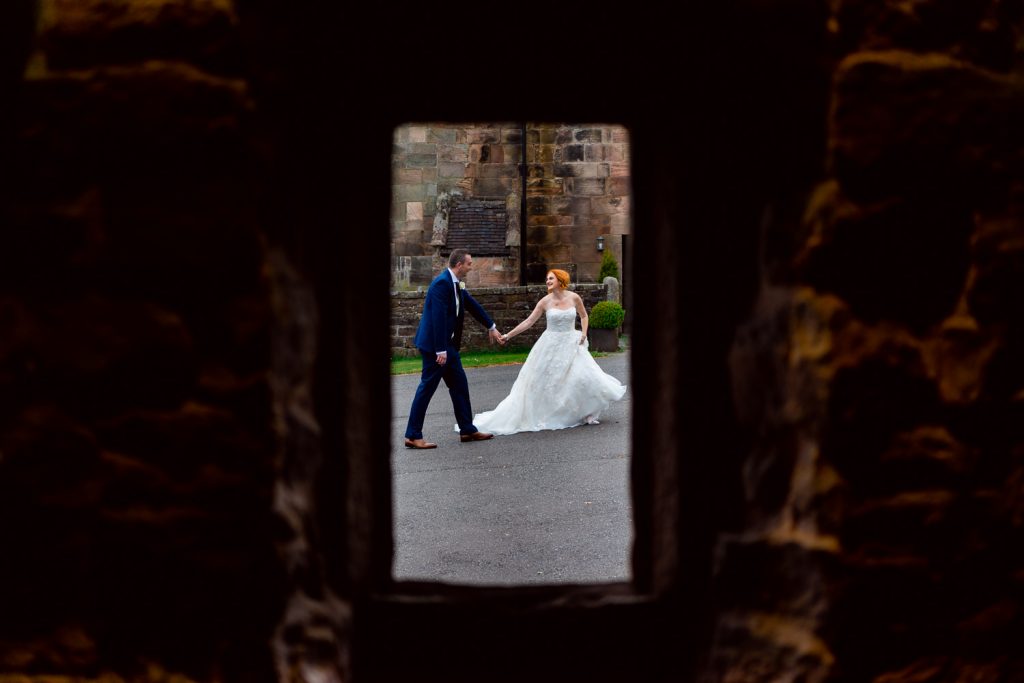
(536, 507)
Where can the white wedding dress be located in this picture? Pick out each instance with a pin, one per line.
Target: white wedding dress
(560, 385)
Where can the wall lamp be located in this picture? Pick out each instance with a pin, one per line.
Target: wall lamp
(600, 242)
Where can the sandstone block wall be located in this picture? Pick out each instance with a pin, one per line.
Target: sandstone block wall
(577, 187)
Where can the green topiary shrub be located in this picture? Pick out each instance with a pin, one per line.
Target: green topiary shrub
(607, 315)
(609, 266)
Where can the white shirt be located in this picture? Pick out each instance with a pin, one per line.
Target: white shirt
(455, 281)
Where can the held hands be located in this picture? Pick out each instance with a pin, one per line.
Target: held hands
(497, 336)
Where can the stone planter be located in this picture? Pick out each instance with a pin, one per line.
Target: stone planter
(603, 340)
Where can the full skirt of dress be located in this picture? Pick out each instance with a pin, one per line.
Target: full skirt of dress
(560, 385)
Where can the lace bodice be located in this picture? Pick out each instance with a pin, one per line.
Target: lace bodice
(561, 320)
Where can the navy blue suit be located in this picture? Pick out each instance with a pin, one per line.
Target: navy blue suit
(440, 329)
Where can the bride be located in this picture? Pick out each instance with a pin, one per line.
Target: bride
(560, 385)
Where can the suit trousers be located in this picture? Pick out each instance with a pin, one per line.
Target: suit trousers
(458, 387)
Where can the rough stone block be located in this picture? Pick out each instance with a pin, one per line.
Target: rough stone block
(565, 170)
(902, 283)
(618, 169)
(619, 186)
(615, 153)
(581, 206)
(441, 136)
(593, 187)
(421, 148)
(408, 176)
(408, 193)
(907, 123)
(449, 169)
(620, 224)
(588, 135)
(548, 186)
(562, 206)
(608, 205)
(453, 153)
(512, 153)
(593, 170)
(496, 187)
(420, 160)
(538, 205)
(790, 578)
(543, 220)
(477, 136)
(82, 34)
(498, 171)
(547, 136)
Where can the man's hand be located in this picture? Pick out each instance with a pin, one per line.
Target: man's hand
(496, 336)
(442, 358)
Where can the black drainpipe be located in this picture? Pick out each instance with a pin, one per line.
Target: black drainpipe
(522, 205)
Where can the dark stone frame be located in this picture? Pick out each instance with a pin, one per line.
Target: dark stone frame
(597, 632)
(594, 631)
(695, 261)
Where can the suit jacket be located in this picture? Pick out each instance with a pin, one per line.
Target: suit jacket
(440, 325)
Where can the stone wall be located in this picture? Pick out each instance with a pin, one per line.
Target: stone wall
(137, 445)
(456, 162)
(882, 376)
(577, 187)
(507, 306)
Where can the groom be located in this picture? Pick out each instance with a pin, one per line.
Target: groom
(438, 339)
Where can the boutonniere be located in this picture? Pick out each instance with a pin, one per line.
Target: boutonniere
(462, 285)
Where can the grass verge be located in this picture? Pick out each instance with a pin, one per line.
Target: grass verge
(471, 359)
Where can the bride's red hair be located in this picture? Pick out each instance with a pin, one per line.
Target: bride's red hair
(561, 276)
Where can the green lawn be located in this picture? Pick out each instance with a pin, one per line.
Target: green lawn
(472, 359)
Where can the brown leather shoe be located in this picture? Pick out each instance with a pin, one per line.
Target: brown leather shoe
(419, 443)
(475, 436)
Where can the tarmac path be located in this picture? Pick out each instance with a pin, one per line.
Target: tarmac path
(535, 507)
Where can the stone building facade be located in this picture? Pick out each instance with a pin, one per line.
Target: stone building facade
(576, 182)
